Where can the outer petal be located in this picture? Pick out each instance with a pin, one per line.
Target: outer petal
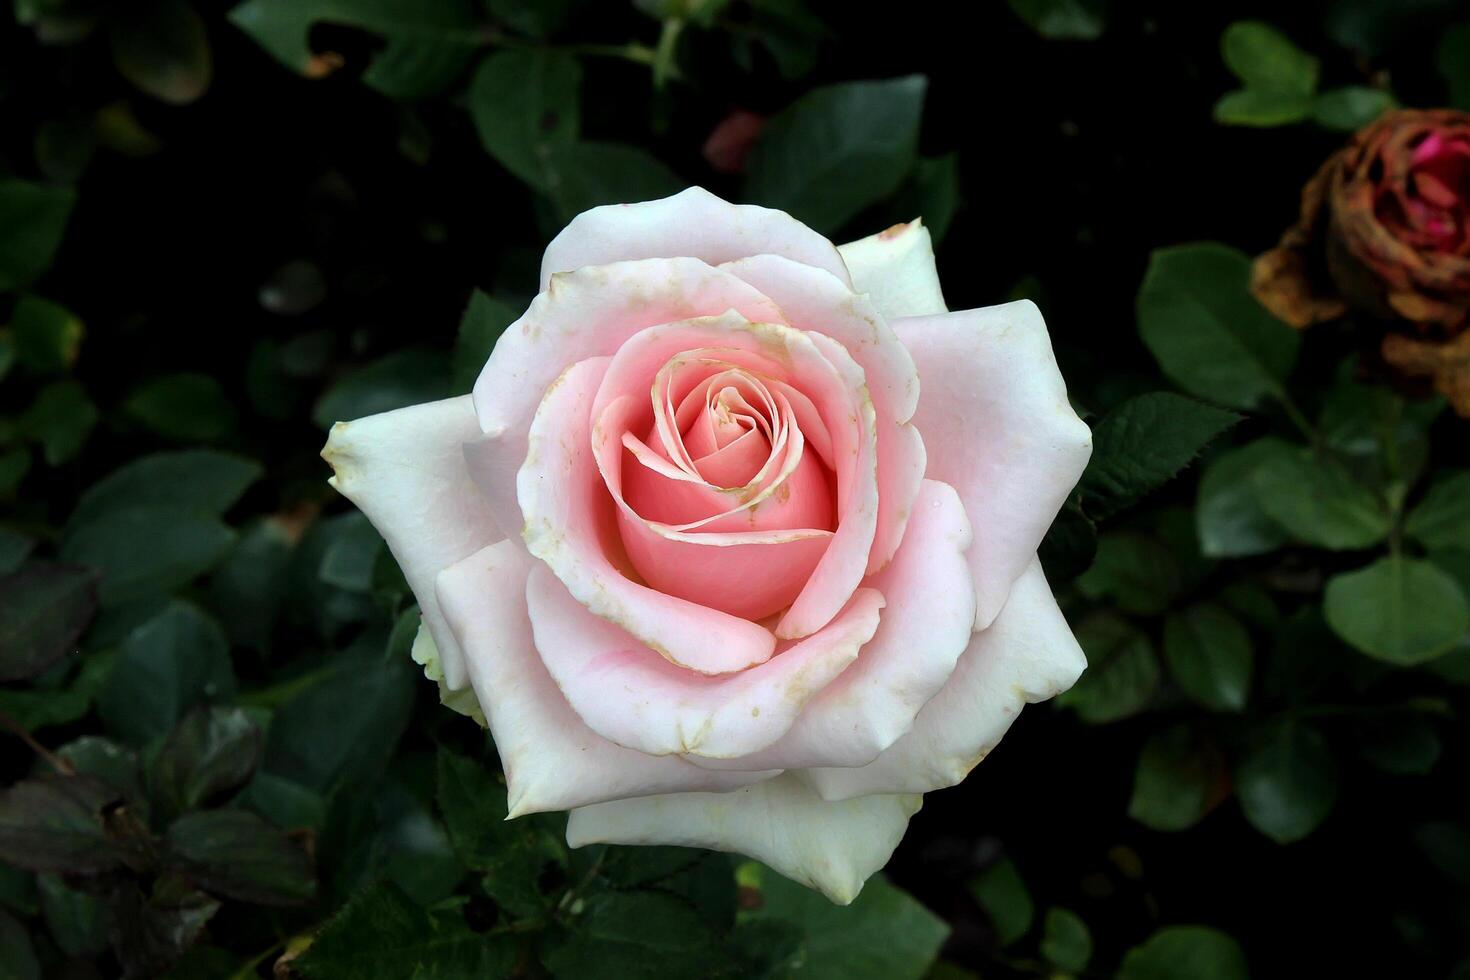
(927, 624)
(812, 300)
(1027, 655)
(832, 847)
(406, 471)
(569, 517)
(582, 314)
(999, 429)
(552, 760)
(692, 223)
(896, 269)
(630, 695)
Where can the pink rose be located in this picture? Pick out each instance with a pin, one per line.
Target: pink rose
(735, 542)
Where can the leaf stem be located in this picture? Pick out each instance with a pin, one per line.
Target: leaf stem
(61, 765)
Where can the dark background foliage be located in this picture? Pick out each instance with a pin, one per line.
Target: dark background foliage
(218, 684)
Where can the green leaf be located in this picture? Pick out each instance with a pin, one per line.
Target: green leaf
(1287, 781)
(1178, 779)
(60, 419)
(1005, 899)
(57, 824)
(1262, 107)
(396, 381)
(345, 725)
(146, 551)
(1453, 61)
(17, 955)
(1317, 501)
(1210, 655)
(1142, 443)
(351, 558)
(14, 465)
(1138, 572)
(1228, 517)
(429, 44)
(154, 928)
(394, 836)
(1442, 518)
(78, 921)
(201, 480)
(1401, 742)
(211, 751)
(162, 48)
(114, 764)
(1402, 610)
(1070, 545)
(249, 586)
(1063, 20)
(837, 150)
(1351, 107)
(510, 855)
(1186, 953)
(585, 175)
(883, 935)
(184, 407)
(1197, 317)
(483, 323)
(382, 933)
(1066, 942)
(1264, 58)
(173, 661)
(632, 934)
(14, 549)
(538, 20)
(525, 102)
(235, 854)
(47, 335)
(32, 218)
(1122, 673)
(43, 610)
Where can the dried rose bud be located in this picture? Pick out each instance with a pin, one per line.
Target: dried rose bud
(1385, 230)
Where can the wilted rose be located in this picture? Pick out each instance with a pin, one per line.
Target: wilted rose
(734, 543)
(1385, 230)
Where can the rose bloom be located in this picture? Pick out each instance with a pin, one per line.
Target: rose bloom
(1385, 230)
(734, 544)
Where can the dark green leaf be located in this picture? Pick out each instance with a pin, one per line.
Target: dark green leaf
(32, 218)
(183, 407)
(351, 559)
(153, 929)
(1402, 610)
(1210, 655)
(1137, 571)
(1063, 20)
(114, 764)
(1005, 899)
(1400, 742)
(1350, 108)
(214, 749)
(1070, 545)
(43, 610)
(78, 921)
(237, 855)
(56, 824)
(14, 465)
(1442, 518)
(1122, 673)
(60, 419)
(1230, 521)
(175, 660)
(14, 548)
(202, 480)
(1287, 781)
(162, 48)
(585, 175)
(1453, 59)
(526, 102)
(1179, 778)
(1197, 317)
(1317, 501)
(483, 323)
(382, 933)
(146, 551)
(1066, 942)
(47, 335)
(883, 935)
(396, 381)
(249, 586)
(429, 45)
(1143, 443)
(1263, 107)
(837, 150)
(1186, 953)
(626, 935)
